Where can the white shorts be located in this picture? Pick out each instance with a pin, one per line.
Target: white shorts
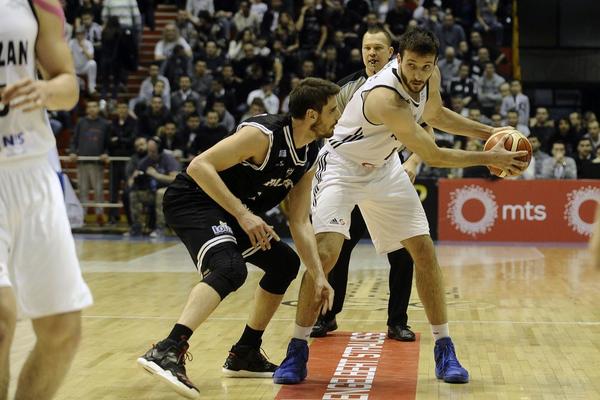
(37, 251)
(387, 199)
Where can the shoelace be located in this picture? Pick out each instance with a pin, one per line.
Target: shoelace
(184, 356)
(449, 357)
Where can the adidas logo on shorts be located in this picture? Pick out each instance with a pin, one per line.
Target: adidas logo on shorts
(337, 221)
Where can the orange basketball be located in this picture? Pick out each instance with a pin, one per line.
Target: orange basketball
(516, 142)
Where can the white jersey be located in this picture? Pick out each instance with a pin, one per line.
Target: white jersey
(355, 138)
(22, 135)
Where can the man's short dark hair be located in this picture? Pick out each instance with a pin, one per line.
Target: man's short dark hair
(379, 28)
(311, 93)
(584, 139)
(559, 142)
(419, 40)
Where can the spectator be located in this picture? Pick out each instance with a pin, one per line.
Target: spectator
(312, 30)
(170, 39)
(213, 58)
(188, 108)
(112, 67)
(559, 166)
(91, 7)
(542, 126)
(576, 124)
(512, 119)
(218, 92)
(245, 19)
(93, 31)
(497, 121)
(265, 93)
(141, 150)
(209, 134)
(594, 134)
(171, 142)
(584, 154)
(146, 8)
(331, 68)
(185, 26)
(457, 105)
(184, 93)
(83, 58)
(487, 20)
(534, 170)
(488, 89)
(230, 83)
(475, 115)
(147, 87)
(128, 13)
(463, 86)
(397, 18)
(193, 7)
(225, 117)
(451, 33)
(188, 135)
(564, 134)
(153, 118)
(121, 145)
(177, 65)
(448, 66)
(476, 43)
(271, 17)
(91, 139)
(478, 63)
(478, 171)
(256, 108)
(201, 79)
(236, 46)
(155, 172)
(287, 33)
(463, 53)
(259, 8)
(591, 170)
(518, 101)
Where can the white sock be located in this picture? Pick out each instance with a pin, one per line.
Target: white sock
(302, 332)
(440, 331)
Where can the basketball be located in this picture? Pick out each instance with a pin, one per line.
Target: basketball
(516, 142)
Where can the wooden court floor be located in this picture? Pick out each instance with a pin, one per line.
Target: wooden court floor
(525, 321)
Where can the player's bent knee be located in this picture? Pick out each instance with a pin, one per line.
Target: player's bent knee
(421, 249)
(225, 270)
(277, 280)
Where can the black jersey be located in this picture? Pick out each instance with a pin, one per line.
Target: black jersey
(263, 187)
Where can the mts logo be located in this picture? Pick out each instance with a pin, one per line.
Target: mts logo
(524, 212)
(13, 140)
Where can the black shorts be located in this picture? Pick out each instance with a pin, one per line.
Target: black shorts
(204, 227)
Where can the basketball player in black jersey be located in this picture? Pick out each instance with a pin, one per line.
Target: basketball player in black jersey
(212, 207)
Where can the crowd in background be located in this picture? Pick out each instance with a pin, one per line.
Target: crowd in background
(221, 61)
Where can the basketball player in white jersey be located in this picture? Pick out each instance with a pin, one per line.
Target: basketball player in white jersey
(40, 277)
(358, 165)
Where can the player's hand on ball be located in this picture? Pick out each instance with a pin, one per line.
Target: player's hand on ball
(323, 293)
(259, 232)
(26, 94)
(508, 160)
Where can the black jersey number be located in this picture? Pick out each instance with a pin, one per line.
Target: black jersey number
(4, 109)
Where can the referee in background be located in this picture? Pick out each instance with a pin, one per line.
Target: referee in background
(376, 51)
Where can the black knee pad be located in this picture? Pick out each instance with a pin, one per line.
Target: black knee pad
(278, 278)
(224, 269)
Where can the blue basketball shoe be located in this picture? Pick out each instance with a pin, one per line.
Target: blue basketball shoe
(293, 368)
(447, 366)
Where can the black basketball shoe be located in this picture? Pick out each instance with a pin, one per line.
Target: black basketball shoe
(323, 326)
(247, 362)
(166, 361)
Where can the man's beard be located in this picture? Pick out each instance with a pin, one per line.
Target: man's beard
(321, 130)
(408, 85)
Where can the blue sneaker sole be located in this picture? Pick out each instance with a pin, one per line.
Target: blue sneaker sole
(454, 379)
(287, 381)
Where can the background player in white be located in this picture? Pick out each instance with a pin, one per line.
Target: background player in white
(39, 271)
(358, 166)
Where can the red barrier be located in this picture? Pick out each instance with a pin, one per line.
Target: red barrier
(517, 210)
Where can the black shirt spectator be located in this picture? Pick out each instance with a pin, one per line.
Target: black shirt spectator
(184, 93)
(311, 25)
(124, 128)
(209, 134)
(398, 17)
(153, 118)
(463, 86)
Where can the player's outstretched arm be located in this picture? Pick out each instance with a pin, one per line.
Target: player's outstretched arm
(448, 121)
(248, 144)
(385, 106)
(303, 234)
(59, 89)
